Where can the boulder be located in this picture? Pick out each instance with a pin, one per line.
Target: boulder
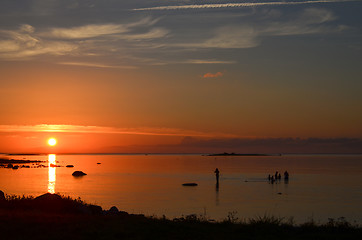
(2, 196)
(48, 197)
(78, 174)
(10, 165)
(113, 210)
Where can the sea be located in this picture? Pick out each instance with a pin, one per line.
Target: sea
(320, 187)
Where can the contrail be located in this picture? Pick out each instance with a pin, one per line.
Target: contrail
(237, 5)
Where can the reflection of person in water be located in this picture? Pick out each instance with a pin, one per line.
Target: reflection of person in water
(217, 173)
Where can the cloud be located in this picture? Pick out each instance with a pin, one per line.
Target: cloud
(273, 145)
(152, 34)
(97, 65)
(24, 42)
(212, 75)
(87, 31)
(8, 46)
(63, 128)
(236, 5)
(208, 61)
(308, 21)
(87, 40)
(98, 30)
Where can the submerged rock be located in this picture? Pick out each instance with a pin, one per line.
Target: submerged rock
(78, 174)
(190, 184)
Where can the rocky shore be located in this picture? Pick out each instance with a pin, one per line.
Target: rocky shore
(51, 216)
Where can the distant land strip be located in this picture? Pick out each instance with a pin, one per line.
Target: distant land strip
(243, 154)
(2, 161)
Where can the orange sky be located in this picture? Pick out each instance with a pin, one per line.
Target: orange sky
(131, 76)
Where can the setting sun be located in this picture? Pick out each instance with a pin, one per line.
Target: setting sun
(52, 141)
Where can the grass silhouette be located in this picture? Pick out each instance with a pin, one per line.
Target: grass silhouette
(52, 216)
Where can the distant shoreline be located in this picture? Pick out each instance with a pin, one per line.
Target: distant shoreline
(194, 154)
(243, 154)
(6, 161)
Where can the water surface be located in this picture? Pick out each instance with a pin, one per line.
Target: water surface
(320, 186)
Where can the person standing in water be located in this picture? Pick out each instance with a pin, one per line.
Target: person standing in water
(217, 173)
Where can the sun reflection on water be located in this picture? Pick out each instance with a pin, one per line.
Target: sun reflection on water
(51, 172)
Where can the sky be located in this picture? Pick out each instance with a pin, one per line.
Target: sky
(181, 76)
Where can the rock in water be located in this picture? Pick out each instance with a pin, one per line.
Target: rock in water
(78, 174)
(189, 184)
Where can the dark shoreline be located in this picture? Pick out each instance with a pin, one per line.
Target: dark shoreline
(7, 161)
(244, 154)
(51, 216)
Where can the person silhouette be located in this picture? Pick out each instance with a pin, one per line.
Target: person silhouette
(286, 175)
(217, 173)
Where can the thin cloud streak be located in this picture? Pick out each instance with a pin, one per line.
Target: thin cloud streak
(200, 61)
(59, 128)
(96, 65)
(235, 5)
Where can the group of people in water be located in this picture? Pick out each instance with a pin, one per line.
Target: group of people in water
(272, 178)
(277, 177)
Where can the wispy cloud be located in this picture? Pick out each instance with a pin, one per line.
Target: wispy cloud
(308, 21)
(97, 65)
(213, 75)
(27, 42)
(23, 43)
(98, 30)
(274, 145)
(54, 128)
(208, 61)
(88, 31)
(236, 5)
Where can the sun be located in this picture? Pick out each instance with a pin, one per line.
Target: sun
(52, 141)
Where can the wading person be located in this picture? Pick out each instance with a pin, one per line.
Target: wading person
(217, 173)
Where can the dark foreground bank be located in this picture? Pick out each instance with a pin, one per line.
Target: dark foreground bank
(52, 216)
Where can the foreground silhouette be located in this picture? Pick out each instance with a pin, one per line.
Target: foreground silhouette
(51, 216)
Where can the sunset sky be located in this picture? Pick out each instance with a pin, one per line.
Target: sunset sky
(180, 76)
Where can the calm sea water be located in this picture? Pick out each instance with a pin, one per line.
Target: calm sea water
(320, 186)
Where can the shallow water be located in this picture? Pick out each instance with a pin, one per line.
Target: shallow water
(320, 186)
